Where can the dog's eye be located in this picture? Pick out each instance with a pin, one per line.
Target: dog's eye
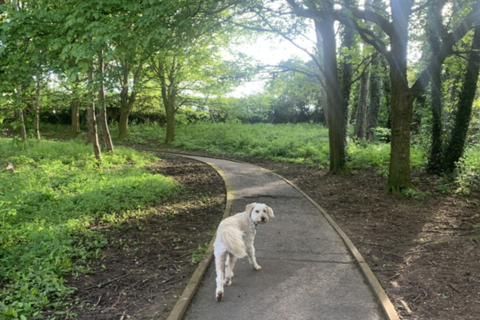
(256, 211)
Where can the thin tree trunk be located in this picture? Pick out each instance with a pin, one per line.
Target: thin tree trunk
(323, 92)
(170, 111)
(75, 109)
(435, 158)
(169, 94)
(37, 110)
(127, 101)
(92, 122)
(375, 99)
(458, 137)
(103, 119)
(362, 107)
(21, 118)
(361, 119)
(346, 79)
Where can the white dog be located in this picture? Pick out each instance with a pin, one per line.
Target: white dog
(234, 240)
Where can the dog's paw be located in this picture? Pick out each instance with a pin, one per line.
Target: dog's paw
(257, 268)
(219, 296)
(228, 281)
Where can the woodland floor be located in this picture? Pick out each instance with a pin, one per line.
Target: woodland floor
(148, 262)
(426, 253)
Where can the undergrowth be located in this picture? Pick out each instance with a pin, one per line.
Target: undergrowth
(48, 207)
(297, 143)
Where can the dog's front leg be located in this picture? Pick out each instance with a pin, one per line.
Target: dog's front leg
(219, 266)
(251, 255)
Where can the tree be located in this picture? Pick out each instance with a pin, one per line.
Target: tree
(436, 153)
(403, 95)
(322, 15)
(196, 69)
(456, 145)
(376, 94)
(295, 96)
(189, 61)
(362, 106)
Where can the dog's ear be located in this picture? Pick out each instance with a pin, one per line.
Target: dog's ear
(250, 207)
(270, 212)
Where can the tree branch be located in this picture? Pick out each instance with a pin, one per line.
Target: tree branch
(472, 19)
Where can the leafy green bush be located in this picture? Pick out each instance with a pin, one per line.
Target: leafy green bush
(468, 170)
(47, 207)
(377, 155)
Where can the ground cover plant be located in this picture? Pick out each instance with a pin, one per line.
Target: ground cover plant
(295, 143)
(49, 202)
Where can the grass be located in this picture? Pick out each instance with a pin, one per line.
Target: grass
(48, 208)
(296, 143)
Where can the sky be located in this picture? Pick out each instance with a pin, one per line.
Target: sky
(268, 52)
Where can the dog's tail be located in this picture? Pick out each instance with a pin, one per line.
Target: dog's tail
(232, 238)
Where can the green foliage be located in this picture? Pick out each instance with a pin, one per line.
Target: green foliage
(198, 255)
(412, 193)
(377, 155)
(47, 208)
(301, 143)
(468, 171)
(296, 143)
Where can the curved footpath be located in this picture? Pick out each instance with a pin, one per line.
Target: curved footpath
(310, 270)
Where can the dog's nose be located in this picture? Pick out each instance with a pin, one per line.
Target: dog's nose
(262, 219)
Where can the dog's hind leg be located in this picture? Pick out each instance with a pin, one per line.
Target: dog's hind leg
(231, 259)
(251, 256)
(219, 266)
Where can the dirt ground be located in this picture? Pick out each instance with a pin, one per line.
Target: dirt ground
(149, 261)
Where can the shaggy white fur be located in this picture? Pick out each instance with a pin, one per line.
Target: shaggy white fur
(234, 240)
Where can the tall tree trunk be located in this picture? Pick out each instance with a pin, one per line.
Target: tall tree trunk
(376, 94)
(321, 76)
(101, 133)
(126, 106)
(169, 92)
(362, 106)
(92, 122)
(75, 109)
(346, 79)
(435, 158)
(124, 110)
(332, 87)
(37, 110)
(127, 101)
(103, 118)
(399, 177)
(21, 118)
(456, 144)
(170, 111)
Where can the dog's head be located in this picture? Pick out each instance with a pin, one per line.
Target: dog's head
(259, 212)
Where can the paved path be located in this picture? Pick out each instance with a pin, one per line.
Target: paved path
(307, 270)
